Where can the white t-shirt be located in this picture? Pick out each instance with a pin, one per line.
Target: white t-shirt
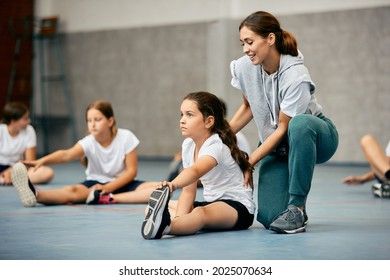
(12, 149)
(388, 149)
(225, 180)
(243, 143)
(106, 163)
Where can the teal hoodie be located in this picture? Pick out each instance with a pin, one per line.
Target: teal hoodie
(289, 90)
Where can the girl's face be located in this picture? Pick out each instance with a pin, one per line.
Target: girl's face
(98, 124)
(192, 122)
(255, 46)
(21, 123)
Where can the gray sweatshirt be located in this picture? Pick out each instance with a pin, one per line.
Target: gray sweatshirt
(289, 90)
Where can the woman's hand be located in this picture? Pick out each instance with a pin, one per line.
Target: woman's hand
(248, 179)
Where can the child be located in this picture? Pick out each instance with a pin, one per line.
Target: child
(17, 142)
(111, 164)
(379, 161)
(210, 154)
(176, 166)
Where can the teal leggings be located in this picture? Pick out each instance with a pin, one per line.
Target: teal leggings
(284, 181)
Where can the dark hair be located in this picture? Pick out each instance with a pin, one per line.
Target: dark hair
(106, 109)
(210, 105)
(13, 111)
(263, 23)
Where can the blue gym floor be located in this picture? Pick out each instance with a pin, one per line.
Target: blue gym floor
(344, 223)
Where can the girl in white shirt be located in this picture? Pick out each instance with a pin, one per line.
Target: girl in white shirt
(210, 154)
(18, 142)
(111, 165)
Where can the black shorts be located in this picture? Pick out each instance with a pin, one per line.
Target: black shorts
(4, 167)
(126, 188)
(245, 219)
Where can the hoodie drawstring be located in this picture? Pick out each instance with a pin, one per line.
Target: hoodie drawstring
(271, 106)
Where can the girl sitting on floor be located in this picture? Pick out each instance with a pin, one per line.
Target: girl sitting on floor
(210, 154)
(111, 164)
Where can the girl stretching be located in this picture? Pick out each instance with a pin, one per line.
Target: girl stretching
(210, 154)
(111, 164)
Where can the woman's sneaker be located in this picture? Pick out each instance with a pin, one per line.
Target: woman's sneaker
(26, 190)
(291, 220)
(157, 219)
(95, 197)
(381, 190)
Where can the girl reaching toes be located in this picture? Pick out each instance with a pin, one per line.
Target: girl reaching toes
(210, 154)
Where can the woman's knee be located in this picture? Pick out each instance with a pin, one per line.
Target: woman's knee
(299, 126)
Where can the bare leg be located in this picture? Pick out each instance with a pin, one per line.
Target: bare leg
(218, 215)
(43, 174)
(375, 155)
(66, 195)
(140, 195)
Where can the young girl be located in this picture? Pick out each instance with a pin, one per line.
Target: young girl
(210, 154)
(111, 164)
(379, 160)
(17, 142)
(278, 94)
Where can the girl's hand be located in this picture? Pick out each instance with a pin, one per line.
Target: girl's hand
(33, 163)
(98, 187)
(6, 177)
(353, 180)
(169, 184)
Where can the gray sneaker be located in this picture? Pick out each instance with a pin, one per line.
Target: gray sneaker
(291, 220)
(381, 190)
(305, 217)
(157, 219)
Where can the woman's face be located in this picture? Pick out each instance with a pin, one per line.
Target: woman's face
(255, 46)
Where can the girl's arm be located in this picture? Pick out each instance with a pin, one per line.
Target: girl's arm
(128, 175)
(359, 179)
(30, 153)
(192, 174)
(186, 199)
(242, 116)
(60, 156)
(272, 141)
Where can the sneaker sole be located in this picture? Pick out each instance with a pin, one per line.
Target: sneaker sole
(20, 181)
(292, 231)
(153, 218)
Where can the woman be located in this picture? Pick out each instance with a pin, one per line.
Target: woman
(278, 94)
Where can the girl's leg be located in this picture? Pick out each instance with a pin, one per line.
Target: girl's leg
(42, 175)
(66, 195)
(376, 156)
(140, 195)
(215, 216)
(172, 207)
